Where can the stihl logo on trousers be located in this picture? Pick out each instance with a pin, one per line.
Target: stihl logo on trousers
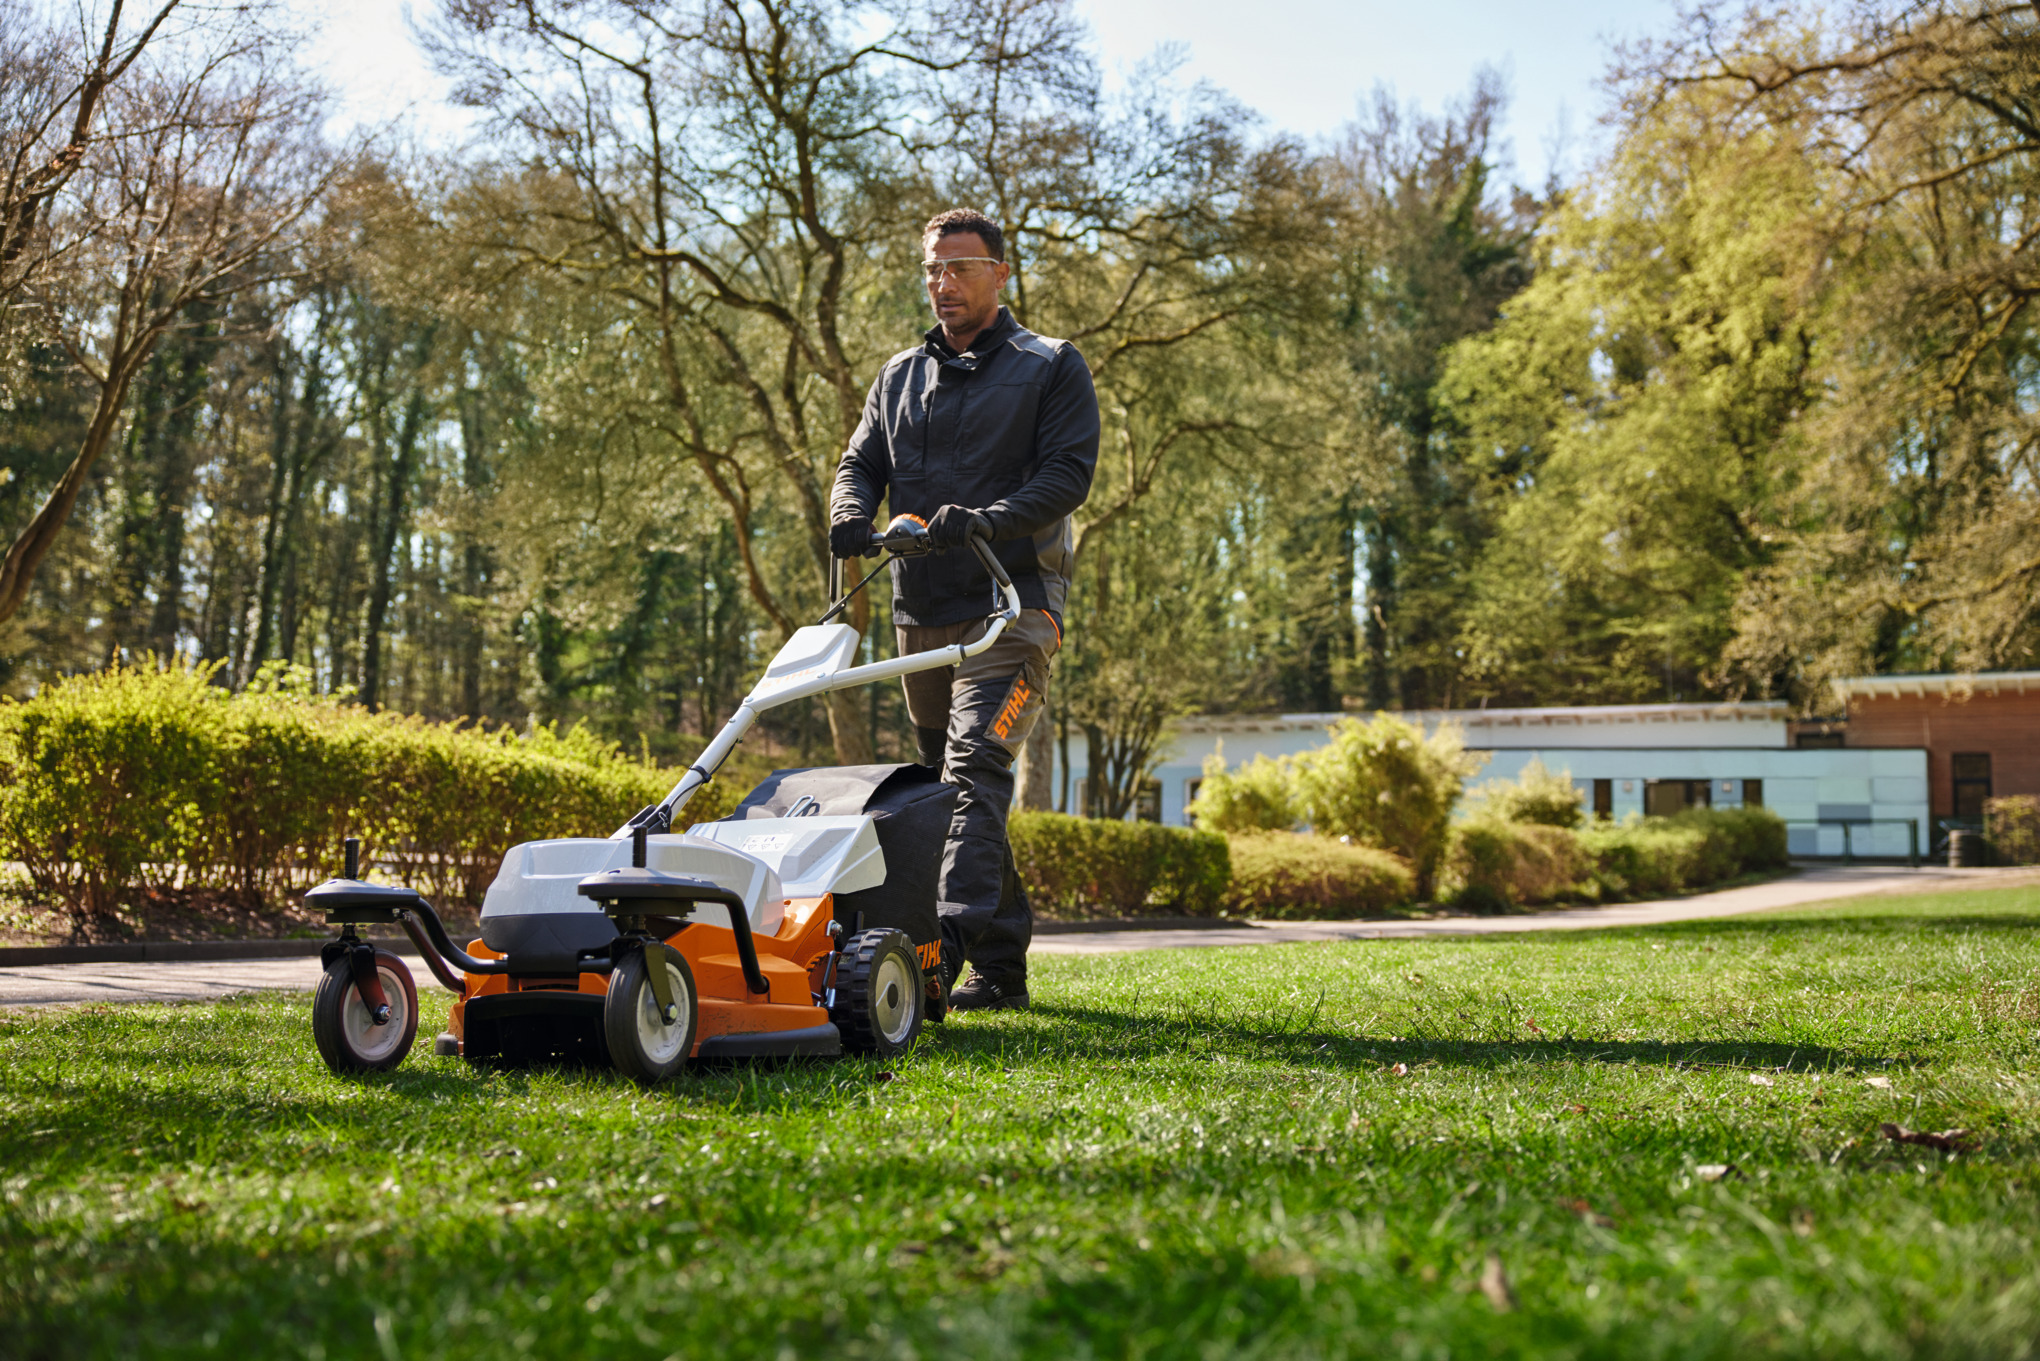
(1002, 727)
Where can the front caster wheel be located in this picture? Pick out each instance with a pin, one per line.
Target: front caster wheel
(348, 1038)
(879, 993)
(643, 1044)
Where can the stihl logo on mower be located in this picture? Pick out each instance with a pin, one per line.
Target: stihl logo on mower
(1015, 702)
(930, 954)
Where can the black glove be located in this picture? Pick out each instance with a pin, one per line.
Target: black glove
(851, 539)
(953, 526)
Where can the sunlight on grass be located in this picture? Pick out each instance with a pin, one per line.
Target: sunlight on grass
(1282, 1151)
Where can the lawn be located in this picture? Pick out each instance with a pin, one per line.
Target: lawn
(1484, 1147)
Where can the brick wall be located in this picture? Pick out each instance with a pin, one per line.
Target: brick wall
(2005, 725)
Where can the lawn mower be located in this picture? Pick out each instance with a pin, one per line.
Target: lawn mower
(803, 924)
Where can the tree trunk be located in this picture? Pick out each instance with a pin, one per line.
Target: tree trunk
(1036, 792)
(385, 547)
(33, 543)
(849, 724)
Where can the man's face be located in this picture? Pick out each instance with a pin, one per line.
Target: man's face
(964, 306)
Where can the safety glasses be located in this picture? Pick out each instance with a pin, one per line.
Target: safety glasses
(962, 268)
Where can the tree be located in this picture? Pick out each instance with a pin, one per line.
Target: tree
(1912, 542)
(194, 195)
(51, 92)
(1632, 413)
(1435, 255)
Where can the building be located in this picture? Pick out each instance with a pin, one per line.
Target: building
(1632, 758)
(1980, 733)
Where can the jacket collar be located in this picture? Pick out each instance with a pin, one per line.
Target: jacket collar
(1002, 326)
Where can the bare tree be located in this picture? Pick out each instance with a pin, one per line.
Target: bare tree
(1152, 228)
(197, 187)
(51, 91)
(735, 184)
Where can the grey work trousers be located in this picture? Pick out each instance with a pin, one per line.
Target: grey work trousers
(971, 721)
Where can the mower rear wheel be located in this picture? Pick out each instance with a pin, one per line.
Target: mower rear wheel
(348, 1038)
(880, 998)
(641, 1044)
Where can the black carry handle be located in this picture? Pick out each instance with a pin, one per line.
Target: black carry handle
(625, 893)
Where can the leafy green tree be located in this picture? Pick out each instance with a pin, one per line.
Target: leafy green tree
(1912, 539)
(1436, 253)
(1633, 413)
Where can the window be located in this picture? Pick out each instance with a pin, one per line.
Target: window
(1818, 741)
(1604, 800)
(1753, 793)
(1972, 783)
(1147, 805)
(1663, 798)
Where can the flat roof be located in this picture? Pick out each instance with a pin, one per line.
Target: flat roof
(1571, 716)
(1958, 685)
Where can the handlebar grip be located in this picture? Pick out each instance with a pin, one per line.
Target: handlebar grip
(982, 546)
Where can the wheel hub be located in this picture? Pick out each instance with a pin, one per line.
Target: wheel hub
(892, 1005)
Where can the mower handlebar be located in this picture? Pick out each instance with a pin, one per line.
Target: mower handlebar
(981, 544)
(907, 537)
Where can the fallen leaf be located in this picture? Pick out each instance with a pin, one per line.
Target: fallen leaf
(1881, 1082)
(882, 1076)
(1759, 1080)
(1401, 1070)
(1531, 1021)
(1716, 1171)
(1947, 1140)
(1576, 1109)
(1494, 1283)
(1587, 1213)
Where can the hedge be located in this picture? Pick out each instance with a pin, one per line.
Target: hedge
(1299, 877)
(2012, 827)
(1494, 866)
(1079, 868)
(128, 781)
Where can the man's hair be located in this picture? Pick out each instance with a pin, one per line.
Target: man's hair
(958, 221)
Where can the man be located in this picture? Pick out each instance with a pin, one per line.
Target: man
(983, 425)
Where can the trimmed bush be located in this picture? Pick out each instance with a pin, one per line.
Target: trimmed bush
(1651, 856)
(1076, 868)
(1495, 866)
(1535, 795)
(1385, 784)
(1258, 797)
(2012, 827)
(1289, 876)
(132, 781)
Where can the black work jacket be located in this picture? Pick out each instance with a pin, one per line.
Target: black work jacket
(1009, 429)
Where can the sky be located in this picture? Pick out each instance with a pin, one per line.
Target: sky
(1307, 66)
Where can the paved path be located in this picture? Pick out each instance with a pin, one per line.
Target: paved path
(1808, 886)
(41, 985)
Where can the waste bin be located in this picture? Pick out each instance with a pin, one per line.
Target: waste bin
(1967, 850)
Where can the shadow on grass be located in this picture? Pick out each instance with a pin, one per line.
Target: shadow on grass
(1119, 1035)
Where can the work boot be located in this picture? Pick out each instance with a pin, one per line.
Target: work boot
(978, 993)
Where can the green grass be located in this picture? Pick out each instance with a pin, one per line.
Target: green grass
(1175, 1154)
